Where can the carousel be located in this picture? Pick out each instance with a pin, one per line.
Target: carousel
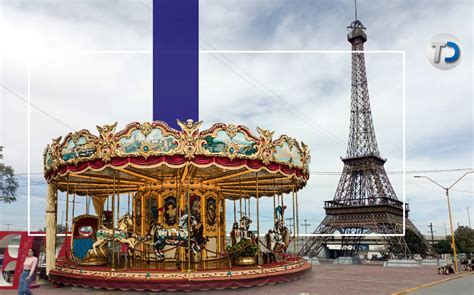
(156, 202)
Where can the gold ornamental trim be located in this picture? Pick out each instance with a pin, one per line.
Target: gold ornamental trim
(158, 139)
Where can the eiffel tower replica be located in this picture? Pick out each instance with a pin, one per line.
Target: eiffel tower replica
(365, 202)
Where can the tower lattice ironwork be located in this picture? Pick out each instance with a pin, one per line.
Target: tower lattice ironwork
(364, 202)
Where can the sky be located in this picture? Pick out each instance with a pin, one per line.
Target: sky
(90, 64)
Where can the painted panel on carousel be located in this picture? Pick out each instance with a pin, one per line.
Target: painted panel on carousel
(144, 142)
(75, 148)
(229, 143)
(287, 151)
(211, 212)
(48, 158)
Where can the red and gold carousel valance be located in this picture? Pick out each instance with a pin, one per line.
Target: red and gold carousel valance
(151, 152)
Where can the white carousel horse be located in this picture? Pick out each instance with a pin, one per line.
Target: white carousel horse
(105, 235)
(241, 233)
(284, 233)
(235, 234)
(177, 237)
(277, 240)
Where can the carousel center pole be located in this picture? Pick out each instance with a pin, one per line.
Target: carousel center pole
(274, 205)
(72, 217)
(240, 199)
(294, 220)
(113, 222)
(245, 205)
(189, 221)
(235, 207)
(67, 214)
(258, 219)
(51, 210)
(118, 214)
(128, 206)
(297, 223)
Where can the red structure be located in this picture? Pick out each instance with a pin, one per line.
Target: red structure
(14, 255)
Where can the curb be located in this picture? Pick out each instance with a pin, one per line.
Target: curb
(406, 291)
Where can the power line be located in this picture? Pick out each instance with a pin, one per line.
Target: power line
(268, 92)
(146, 6)
(36, 107)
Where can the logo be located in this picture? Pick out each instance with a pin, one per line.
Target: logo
(444, 51)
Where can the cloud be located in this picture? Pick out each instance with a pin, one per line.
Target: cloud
(306, 96)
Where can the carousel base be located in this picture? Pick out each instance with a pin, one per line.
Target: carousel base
(200, 277)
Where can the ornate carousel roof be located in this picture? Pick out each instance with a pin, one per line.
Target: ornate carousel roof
(151, 152)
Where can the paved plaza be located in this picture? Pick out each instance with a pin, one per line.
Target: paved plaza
(327, 279)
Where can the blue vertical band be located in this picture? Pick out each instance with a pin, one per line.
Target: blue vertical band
(175, 60)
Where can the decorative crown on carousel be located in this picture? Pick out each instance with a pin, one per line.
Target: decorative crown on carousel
(155, 143)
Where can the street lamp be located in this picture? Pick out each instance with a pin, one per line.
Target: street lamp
(446, 189)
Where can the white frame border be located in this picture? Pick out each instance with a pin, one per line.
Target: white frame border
(402, 52)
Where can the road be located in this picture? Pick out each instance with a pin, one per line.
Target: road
(461, 286)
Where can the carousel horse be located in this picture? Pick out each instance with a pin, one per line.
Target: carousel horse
(122, 235)
(241, 232)
(277, 240)
(270, 244)
(284, 233)
(178, 237)
(235, 234)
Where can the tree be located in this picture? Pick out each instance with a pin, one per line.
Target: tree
(8, 183)
(464, 237)
(443, 246)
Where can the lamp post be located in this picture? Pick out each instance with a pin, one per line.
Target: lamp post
(446, 189)
(469, 217)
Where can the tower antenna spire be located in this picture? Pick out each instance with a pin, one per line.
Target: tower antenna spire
(355, 8)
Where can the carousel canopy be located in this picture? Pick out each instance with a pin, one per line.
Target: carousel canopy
(152, 154)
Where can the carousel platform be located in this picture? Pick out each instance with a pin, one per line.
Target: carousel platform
(203, 276)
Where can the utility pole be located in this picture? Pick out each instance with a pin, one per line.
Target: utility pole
(306, 224)
(446, 190)
(8, 226)
(445, 230)
(469, 217)
(431, 229)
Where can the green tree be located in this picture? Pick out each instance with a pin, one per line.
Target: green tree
(464, 237)
(8, 183)
(444, 246)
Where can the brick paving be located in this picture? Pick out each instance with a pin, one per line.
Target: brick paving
(323, 279)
